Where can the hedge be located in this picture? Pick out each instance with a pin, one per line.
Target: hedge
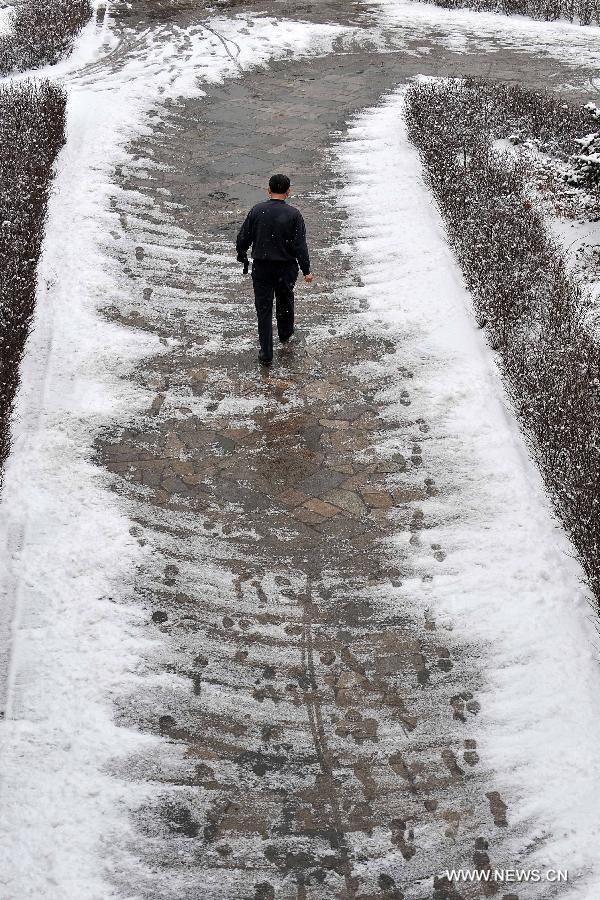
(32, 130)
(41, 32)
(585, 12)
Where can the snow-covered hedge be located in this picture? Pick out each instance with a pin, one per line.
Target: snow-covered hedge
(32, 128)
(586, 162)
(583, 11)
(42, 31)
(533, 312)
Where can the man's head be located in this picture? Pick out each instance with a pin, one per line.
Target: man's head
(279, 187)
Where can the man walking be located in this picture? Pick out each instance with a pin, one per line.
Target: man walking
(277, 234)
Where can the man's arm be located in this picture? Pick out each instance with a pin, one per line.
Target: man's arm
(245, 238)
(300, 246)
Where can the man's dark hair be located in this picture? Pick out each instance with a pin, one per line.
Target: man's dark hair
(279, 184)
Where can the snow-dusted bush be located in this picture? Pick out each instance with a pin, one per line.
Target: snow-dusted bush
(42, 31)
(509, 110)
(532, 311)
(586, 163)
(32, 128)
(584, 11)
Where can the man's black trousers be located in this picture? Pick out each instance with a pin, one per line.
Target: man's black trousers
(274, 279)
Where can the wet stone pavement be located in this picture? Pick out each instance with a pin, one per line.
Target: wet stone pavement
(317, 730)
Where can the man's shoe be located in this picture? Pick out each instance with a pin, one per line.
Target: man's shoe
(264, 361)
(288, 340)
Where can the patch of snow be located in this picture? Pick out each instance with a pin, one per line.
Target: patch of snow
(509, 583)
(67, 554)
(503, 145)
(5, 18)
(570, 214)
(580, 242)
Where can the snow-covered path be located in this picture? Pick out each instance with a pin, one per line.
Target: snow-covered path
(312, 634)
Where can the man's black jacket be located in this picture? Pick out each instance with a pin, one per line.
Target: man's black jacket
(276, 232)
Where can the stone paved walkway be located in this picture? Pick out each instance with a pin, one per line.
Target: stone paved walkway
(320, 732)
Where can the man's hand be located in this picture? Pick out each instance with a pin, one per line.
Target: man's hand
(308, 279)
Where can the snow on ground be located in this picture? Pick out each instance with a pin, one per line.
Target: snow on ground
(570, 213)
(579, 240)
(462, 30)
(5, 17)
(67, 556)
(509, 582)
